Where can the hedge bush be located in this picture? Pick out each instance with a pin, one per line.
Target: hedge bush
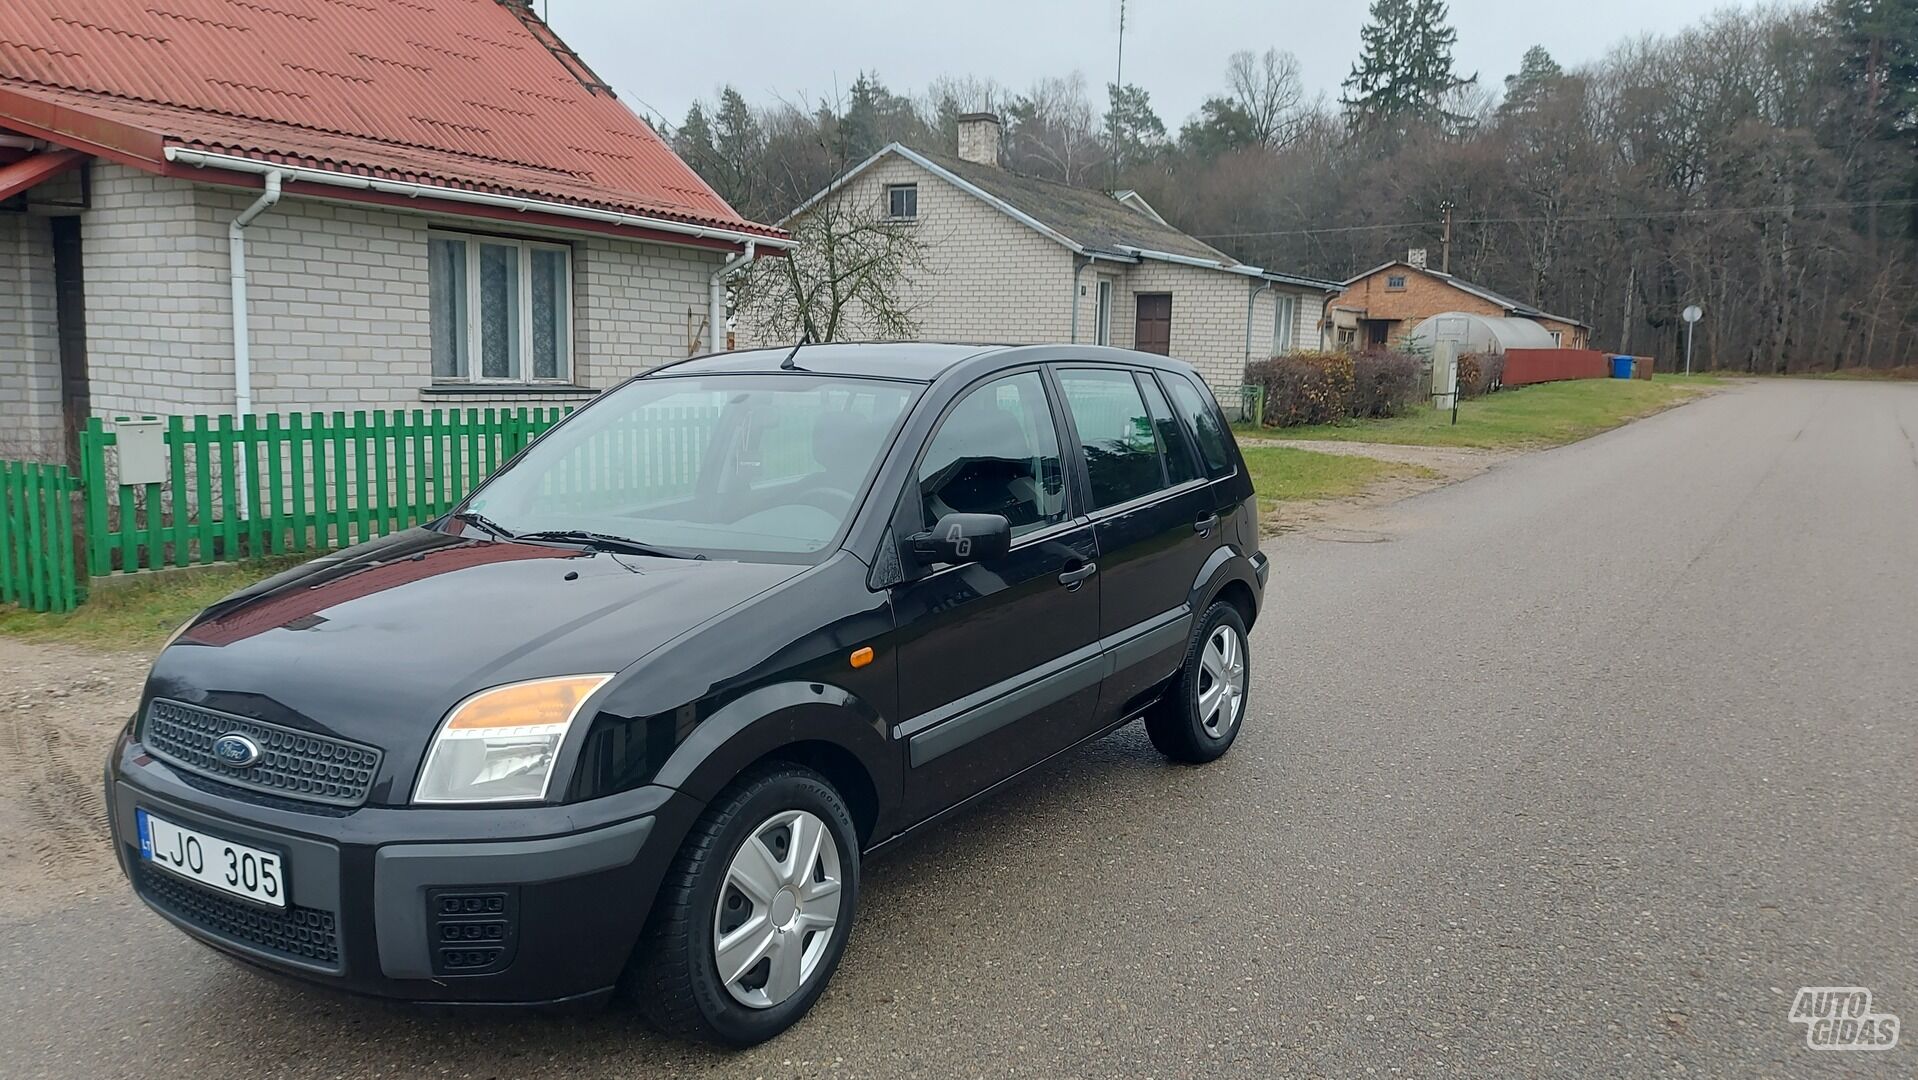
(1387, 383)
(1480, 373)
(1304, 387)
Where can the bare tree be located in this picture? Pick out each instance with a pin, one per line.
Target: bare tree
(849, 278)
(1266, 87)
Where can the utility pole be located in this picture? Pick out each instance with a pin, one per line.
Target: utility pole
(1631, 290)
(1112, 115)
(1445, 239)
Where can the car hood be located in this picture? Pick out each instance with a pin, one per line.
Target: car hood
(377, 643)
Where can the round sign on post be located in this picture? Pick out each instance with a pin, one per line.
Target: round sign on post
(1692, 314)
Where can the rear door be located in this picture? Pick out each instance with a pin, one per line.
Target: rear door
(1153, 518)
(999, 662)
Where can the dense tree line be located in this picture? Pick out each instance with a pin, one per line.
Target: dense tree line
(1762, 164)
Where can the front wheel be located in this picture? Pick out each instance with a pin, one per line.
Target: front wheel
(1199, 715)
(753, 917)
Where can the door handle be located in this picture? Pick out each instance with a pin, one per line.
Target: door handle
(1205, 525)
(1071, 578)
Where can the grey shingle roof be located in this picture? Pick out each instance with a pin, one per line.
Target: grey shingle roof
(1093, 219)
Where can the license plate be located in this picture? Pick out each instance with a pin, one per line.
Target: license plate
(218, 864)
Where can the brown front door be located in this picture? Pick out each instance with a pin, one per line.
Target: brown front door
(1153, 331)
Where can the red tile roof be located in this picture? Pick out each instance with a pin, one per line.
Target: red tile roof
(472, 94)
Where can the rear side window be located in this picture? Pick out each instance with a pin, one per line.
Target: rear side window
(1180, 465)
(997, 452)
(1202, 413)
(1121, 450)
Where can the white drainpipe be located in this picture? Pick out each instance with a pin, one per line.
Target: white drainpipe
(1251, 302)
(1076, 271)
(716, 297)
(236, 257)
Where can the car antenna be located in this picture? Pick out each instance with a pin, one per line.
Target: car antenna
(805, 339)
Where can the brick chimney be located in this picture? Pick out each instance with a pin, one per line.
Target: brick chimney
(979, 138)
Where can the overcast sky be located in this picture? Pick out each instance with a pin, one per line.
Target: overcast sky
(660, 57)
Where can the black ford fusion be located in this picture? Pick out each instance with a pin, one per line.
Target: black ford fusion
(626, 719)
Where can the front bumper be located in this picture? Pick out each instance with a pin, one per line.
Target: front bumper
(532, 905)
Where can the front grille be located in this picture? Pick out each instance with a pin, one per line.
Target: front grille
(296, 764)
(306, 935)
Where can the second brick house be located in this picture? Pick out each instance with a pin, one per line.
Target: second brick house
(1014, 259)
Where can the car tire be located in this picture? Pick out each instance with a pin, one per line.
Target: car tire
(1189, 724)
(715, 891)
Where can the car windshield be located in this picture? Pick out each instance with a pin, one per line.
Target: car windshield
(719, 465)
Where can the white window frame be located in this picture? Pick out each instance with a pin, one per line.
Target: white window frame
(1285, 321)
(474, 364)
(1558, 339)
(1102, 311)
(892, 189)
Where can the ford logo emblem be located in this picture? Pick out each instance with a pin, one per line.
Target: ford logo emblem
(235, 750)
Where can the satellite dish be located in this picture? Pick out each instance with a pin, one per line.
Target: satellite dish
(1693, 313)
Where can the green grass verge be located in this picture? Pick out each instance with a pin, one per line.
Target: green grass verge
(139, 614)
(1284, 474)
(1543, 415)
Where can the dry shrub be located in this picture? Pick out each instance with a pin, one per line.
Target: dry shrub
(1480, 374)
(1386, 382)
(1305, 387)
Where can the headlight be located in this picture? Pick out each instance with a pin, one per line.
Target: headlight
(499, 744)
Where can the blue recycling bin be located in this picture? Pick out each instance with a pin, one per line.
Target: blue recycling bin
(1621, 367)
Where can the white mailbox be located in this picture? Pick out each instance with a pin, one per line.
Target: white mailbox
(141, 441)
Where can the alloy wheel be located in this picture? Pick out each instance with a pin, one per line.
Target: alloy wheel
(778, 909)
(1221, 683)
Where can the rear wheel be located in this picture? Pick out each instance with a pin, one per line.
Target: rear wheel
(753, 916)
(1199, 715)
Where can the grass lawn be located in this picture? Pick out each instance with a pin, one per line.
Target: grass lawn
(1543, 415)
(1282, 474)
(139, 614)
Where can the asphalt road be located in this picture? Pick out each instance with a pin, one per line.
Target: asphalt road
(1581, 767)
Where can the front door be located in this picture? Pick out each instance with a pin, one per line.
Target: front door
(999, 662)
(70, 320)
(1153, 331)
(1154, 520)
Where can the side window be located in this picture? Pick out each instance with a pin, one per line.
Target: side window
(1202, 413)
(997, 452)
(1179, 463)
(1122, 453)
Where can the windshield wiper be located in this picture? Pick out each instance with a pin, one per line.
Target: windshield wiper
(609, 542)
(475, 517)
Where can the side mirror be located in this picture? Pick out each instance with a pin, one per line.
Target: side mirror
(964, 538)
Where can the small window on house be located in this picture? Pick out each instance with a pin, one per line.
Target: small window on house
(1558, 339)
(1395, 281)
(902, 201)
(1285, 319)
(1102, 318)
(502, 310)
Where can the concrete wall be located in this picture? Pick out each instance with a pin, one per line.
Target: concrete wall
(338, 299)
(29, 351)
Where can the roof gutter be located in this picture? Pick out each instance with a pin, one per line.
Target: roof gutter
(203, 159)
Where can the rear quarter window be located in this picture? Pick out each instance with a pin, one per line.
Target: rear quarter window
(1195, 403)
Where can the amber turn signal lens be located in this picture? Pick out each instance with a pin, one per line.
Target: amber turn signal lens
(862, 657)
(529, 704)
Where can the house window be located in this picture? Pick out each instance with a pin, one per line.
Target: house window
(1395, 282)
(1558, 339)
(1285, 319)
(902, 202)
(502, 309)
(1102, 318)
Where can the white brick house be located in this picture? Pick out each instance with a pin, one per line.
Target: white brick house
(1016, 259)
(430, 211)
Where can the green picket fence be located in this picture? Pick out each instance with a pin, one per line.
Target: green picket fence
(268, 485)
(37, 567)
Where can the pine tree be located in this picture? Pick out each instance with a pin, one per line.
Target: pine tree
(694, 142)
(1538, 75)
(1134, 129)
(1404, 69)
(737, 145)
